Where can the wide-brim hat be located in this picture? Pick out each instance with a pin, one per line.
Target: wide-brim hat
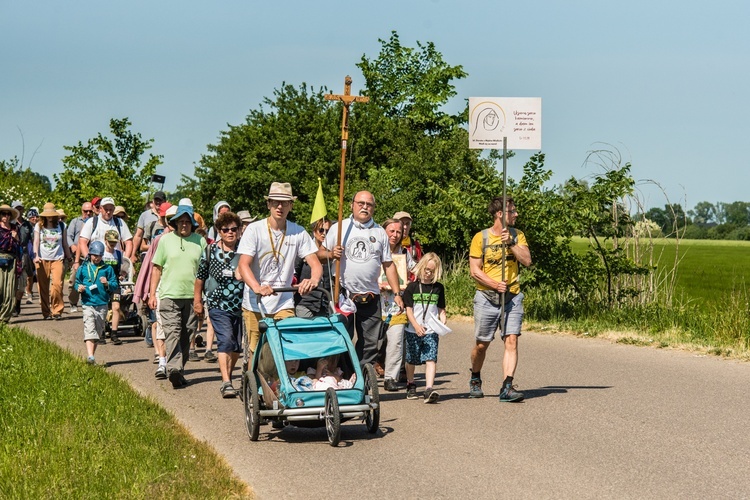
(61, 213)
(245, 217)
(7, 208)
(281, 191)
(49, 211)
(182, 210)
(120, 211)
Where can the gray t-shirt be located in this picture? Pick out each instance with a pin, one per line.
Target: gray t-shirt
(365, 249)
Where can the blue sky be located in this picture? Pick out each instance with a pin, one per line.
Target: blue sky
(664, 83)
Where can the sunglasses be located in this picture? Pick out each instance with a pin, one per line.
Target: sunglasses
(322, 230)
(3, 214)
(87, 211)
(229, 229)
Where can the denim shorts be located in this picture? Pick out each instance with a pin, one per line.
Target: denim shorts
(487, 317)
(228, 330)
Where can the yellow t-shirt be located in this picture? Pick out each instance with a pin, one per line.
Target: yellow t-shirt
(493, 259)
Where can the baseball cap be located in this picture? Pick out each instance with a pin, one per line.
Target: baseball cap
(402, 215)
(107, 201)
(160, 196)
(96, 200)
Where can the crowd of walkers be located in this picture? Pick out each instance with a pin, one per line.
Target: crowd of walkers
(181, 274)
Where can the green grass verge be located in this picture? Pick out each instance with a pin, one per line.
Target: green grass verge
(75, 431)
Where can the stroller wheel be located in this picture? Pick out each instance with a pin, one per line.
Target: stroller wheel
(372, 417)
(333, 417)
(251, 401)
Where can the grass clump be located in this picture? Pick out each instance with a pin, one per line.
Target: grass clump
(75, 431)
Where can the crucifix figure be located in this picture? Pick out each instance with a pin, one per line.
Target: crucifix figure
(346, 98)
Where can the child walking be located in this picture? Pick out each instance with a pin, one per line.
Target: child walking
(423, 298)
(93, 281)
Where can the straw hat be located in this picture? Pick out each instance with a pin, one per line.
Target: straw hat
(49, 211)
(62, 213)
(7, 208)
(120, 212)
(281, 191)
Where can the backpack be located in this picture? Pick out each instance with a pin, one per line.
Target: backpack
(118, 225)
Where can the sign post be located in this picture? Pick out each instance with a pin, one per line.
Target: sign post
(505, 122)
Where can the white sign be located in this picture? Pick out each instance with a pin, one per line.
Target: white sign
(517, 118)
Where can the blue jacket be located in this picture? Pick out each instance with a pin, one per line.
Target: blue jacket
(88, 274)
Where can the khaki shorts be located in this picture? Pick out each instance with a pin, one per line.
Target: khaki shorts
(156, 327)
(93, 322)
(251, 324)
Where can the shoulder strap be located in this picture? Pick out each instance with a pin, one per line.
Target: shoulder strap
(93, 224)
(485, 242)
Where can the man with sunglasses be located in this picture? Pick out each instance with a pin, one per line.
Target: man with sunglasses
(365, 250)
(269, 249)
(74, 231)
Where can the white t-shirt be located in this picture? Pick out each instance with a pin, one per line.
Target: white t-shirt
(366, 247)
(50, 242)
(102, 227)
(273, 264)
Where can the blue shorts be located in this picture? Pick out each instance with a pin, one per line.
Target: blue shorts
(228, 330)
(419, 350)
(487, 317)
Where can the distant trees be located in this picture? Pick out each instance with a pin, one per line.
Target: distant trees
(118, 166)
(19, 183)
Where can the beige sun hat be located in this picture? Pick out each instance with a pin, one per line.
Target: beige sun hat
(120, 212)
(49, 210)
(7, 208)
(62, 213)
(281, 191)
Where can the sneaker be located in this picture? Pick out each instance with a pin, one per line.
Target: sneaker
(193, 356)
(431, 396)
(199, 341)
(411, 391)
(27, 298)
(56, 317)
(510, 394)
(90, 360)
(73, 309)
(227, 391)
(475, 388)
(390, 385)
(101, 341)
(210, 357)
(161, 372)
(156, 358)
(115, 339)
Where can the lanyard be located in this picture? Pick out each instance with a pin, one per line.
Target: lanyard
(429, 299)
(96, 272)
(273, 247)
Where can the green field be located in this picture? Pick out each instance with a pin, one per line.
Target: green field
(707, 270)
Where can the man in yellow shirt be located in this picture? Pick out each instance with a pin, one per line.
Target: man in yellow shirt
(485, 262)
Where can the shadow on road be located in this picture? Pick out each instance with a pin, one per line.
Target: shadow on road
(127, 362)
(546, 391)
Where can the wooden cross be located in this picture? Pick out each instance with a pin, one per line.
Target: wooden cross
(347, 99)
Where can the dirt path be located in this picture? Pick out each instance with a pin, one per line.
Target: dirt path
(600, 420)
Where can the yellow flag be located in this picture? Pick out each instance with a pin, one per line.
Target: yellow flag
(319, 208)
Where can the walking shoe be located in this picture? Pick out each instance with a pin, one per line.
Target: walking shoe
(390, 385)
(199, 341)
(115, 339)
(156, 358)
(73, 309)
(90, 360)
(227, 391)
(177, 379)
(475, 388)
(161, 372)
(56, 317)
(411, 391)
(210, 357)
(101, 341)
(28, 298)
(431, 396)
(193, 356)
(510, 394)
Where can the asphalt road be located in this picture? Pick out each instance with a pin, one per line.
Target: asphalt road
(600, 420)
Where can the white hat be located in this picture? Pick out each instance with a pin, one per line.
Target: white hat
(107, 201)
(171, 211)
(186, 201)
(280, 191)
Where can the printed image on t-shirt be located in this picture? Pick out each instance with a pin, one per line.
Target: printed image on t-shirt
(359, 249)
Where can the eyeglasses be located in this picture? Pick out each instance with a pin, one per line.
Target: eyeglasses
(87, 211)
(322, 230)
(283, 203)
(364, 204)
(229, 229)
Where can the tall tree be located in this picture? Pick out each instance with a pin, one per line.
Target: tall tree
(118, 166)
(703, 213)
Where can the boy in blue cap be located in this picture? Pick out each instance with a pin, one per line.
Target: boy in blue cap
(94, 280)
